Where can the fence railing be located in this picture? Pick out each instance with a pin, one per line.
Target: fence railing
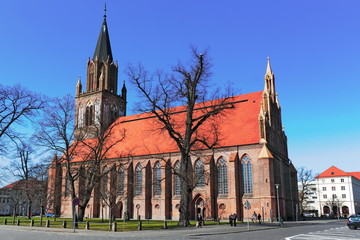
(118, 225)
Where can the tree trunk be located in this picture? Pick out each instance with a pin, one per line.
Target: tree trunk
(186, 191)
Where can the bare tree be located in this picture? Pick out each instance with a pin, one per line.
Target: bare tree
(187, 85)
(92, 154)
(305, 177)
(335, 204)
(16, 105)
(55, 132)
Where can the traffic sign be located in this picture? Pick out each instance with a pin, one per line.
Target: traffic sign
(247, 205)
(76, 201)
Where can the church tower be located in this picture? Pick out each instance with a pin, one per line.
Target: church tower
(99, 105)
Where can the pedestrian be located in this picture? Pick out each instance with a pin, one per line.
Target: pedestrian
(231, 219)
(254, 217)
(259, 218)
(234, 217)
(199, 221)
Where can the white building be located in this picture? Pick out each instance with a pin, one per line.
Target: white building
(310, 204)
(337, 189)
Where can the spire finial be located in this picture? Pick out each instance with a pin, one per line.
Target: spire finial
(105, 11)
(268, 67)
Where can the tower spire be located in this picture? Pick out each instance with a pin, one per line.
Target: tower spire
(103, 47)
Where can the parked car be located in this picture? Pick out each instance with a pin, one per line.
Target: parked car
(353, 222)
(50, 215)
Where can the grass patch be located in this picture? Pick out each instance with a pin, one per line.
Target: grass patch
(95, 224)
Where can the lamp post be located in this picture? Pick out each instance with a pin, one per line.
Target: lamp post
(278, 203)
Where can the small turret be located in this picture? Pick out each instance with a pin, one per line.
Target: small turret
(123, 92)
(78, 87)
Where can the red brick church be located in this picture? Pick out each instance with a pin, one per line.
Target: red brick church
(251, 157)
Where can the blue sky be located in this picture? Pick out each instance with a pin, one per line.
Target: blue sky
(313, 46)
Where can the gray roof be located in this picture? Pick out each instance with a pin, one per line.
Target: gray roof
(103, 48)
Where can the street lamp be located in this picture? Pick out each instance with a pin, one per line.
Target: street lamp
(278, 203)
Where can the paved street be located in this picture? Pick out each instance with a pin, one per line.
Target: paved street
(321, 230)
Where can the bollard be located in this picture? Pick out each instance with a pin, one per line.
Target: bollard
(114, 227)
(5, 221)
(18, 222)
(218, 221)
(64, 224)
(139, 218)
(165, 225)
(140, 225)
(87, 225)
(31, 222)
(47, 223)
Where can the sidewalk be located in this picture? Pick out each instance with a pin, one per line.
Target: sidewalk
(179, 233)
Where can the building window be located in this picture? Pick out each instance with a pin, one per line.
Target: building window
(333, 188)
(343, 195)
(324, 188)
(343, 188)
(138, 180)
(121, 184)
(247, 174)
(342, 180)
(177, 180)
(332, 180)
(323, 180)
(104, 183)
(325, 196)
(89, 115)
(222, 177)
(199, 174)
(67, 187)
(157, 179)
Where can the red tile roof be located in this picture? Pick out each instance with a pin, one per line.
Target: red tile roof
(14, 184)
(336, 172)
(239, 126)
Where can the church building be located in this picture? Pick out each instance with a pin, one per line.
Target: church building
(250, 163)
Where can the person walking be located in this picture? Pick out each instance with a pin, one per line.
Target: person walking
(259, 218)
(254, 217)
(199, 221)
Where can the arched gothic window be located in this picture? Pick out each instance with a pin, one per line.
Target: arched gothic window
(80, 116)
(199, 174)
(89, 115)
(222, 176)
(247, 174)
(121, 184)
(138, 180)
(97, 111)
(177, 181)
(157, 179)
(104, 183)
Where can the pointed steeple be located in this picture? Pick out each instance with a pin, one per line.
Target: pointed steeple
(103, 47)
(268, 67)
(269, 81)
